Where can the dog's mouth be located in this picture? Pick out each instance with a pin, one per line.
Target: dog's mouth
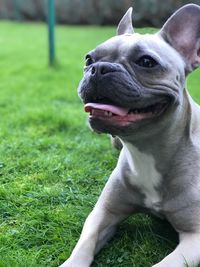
(124, 116)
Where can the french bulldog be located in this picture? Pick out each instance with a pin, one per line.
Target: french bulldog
(134, 88)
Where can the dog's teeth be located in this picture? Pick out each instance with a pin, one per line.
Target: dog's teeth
(108, 113)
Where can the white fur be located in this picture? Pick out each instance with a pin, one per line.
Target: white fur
(144, 175)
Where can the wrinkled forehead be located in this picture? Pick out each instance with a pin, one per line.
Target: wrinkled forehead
(125, 45)
(120, 43)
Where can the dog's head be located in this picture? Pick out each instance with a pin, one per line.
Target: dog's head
(132, 81)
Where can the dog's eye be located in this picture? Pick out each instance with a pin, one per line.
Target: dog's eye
(88, 60)
(146, 62)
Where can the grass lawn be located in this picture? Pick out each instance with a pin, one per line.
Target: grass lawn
(52, 167)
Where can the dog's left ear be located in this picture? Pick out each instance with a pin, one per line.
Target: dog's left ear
(125, 25)
(182, 31)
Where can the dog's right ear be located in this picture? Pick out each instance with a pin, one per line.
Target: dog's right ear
(125, 25)
(182, 31)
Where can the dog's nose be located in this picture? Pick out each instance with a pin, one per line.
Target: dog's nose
(102, 68)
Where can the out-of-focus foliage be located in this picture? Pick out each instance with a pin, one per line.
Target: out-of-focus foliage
(146, 12)
(155, 12)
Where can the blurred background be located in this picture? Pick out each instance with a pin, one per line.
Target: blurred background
(99, 12)
(52, 167)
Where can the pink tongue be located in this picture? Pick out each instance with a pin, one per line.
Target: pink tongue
(116, 110)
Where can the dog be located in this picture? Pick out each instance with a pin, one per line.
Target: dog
(134, 88)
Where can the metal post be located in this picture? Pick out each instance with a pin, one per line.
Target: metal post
(51, 35)
(17, 10)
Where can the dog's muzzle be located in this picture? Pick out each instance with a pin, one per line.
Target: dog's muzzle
(106, 82)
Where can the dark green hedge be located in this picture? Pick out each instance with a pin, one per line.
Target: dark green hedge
(146, 12)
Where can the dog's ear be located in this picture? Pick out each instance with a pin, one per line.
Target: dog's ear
(125, 25)
(182, 31)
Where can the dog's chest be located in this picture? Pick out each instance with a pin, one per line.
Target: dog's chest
(144, 176)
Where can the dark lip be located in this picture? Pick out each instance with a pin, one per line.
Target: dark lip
(101, 100)
(138, 104)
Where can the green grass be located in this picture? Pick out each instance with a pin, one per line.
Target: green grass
(52, 167)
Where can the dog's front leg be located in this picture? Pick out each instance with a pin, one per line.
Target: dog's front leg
(100, 224)
(98, 228)
(187, 252)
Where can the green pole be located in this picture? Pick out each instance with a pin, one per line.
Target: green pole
(17, 10)
(51, 34)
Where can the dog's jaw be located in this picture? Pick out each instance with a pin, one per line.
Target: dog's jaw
(123, 116)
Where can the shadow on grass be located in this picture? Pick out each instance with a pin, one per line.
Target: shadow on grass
(140, 241)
